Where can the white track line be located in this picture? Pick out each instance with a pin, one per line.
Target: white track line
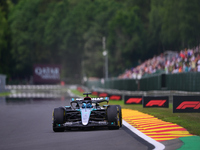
(158, 145)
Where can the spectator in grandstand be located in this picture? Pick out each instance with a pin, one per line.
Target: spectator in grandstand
(187, 60)
(198, 65)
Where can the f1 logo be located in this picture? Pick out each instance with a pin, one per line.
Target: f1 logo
(103, 95)
(115, 97)
(155, 103)
(134, 100)
(186, 104)
(189, 104)
(95, 93)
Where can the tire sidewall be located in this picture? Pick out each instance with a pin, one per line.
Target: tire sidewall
(112, 116)
(59, 115)
(120, 114)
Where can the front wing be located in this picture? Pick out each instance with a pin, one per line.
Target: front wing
(79, 124)
(74, 119)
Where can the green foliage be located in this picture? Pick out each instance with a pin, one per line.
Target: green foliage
(22, 28)
(5, 56)
(179, 24)
(70, 32)
(126, 34)
(3, 24)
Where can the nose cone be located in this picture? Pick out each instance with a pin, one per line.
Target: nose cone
(85, 115)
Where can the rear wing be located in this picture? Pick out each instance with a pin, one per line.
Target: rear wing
(94, 100)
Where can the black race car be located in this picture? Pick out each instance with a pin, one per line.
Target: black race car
(87, 112)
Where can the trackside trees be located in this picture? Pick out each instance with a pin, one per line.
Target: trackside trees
(69, 32)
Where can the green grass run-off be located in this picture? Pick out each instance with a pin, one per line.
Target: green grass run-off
(4, 94)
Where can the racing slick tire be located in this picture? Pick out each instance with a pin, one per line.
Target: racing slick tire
(120, 114)
(113, 117)
(58, 118)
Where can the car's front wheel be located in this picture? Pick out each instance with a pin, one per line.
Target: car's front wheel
(113, 117)
(58, 119)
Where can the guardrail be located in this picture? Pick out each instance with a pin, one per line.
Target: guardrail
(169, 93)
(33, 87)
(180, 82)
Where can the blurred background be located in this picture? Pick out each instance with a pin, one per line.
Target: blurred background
(78, 40)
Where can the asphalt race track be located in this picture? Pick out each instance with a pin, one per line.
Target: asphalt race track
(26, 124)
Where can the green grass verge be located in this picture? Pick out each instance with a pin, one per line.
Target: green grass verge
(190, 121)
(4, 94)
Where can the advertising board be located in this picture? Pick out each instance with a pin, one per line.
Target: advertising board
(186, 104)
(156, 101)
(103, 94)
(115, 97)
(46, 74)
(132, 99)
(95, 93)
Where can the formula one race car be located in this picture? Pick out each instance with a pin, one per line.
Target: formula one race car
(87, 112)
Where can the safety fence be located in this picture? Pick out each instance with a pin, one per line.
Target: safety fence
(32, 87)
(180, 82)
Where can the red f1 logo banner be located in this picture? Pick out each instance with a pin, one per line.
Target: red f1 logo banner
(103, 94)
(80, 89)
(132, 99)
(115, 97)
(156, 101)
(186, 104)
(95, 93)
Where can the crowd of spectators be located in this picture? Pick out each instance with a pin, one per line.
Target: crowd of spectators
(187, 60)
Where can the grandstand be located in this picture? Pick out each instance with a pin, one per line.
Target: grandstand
(187, 60)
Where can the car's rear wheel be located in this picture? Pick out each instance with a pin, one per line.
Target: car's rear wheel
(58, 119)
(113, 117)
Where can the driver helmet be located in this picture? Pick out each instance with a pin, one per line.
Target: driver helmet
(89, 102)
